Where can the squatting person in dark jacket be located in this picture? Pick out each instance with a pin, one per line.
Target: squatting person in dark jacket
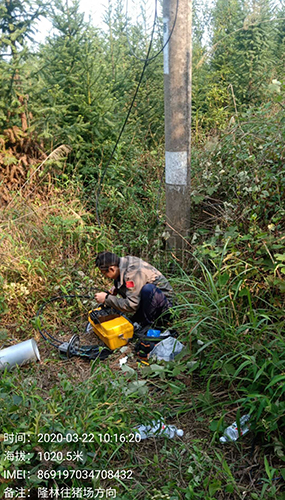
(143, 289)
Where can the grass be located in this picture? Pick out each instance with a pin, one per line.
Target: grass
(48, 248)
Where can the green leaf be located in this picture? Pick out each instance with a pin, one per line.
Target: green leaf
(215, 425)
(128, 369)
(249, 362)
(227, 469)
(157, 368)
(280, 256)
(282, 472)
(275, 380)
(138, 386)
(229, 488)
(269, 470)
(229, 369)
(17, 400)
(224, 278)
(214, 487)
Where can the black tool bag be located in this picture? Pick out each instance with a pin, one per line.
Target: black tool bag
(143, 348)
(146, 344)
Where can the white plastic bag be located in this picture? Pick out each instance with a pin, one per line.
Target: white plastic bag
(167, 349)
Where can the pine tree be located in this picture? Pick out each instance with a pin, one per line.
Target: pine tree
(244, 43)
(17, 27)
(74, 104)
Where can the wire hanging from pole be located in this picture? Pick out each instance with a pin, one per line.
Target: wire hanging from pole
(125, 121)
(165, 44)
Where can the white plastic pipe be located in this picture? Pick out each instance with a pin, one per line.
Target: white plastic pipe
(19, 354)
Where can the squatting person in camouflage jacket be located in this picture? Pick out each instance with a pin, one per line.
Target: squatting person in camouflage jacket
(143, 289)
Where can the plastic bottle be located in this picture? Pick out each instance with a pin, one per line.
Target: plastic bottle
(231, 433)
(158, 428)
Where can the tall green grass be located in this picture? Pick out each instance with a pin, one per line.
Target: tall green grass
(237, 341)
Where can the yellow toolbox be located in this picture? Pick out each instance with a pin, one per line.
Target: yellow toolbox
(112, 328)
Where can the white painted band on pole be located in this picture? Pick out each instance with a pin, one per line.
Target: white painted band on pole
(176, 168)
(166, 44)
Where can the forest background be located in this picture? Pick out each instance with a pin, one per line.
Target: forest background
(66, 193)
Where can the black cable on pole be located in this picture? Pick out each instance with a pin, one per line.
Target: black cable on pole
(125, 123)
(126, 26)
(147, 60)
(162, 48)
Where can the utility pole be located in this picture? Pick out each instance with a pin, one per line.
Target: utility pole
(177, 105)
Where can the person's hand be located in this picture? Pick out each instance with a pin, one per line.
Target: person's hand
(100, 297)
(113, 290)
